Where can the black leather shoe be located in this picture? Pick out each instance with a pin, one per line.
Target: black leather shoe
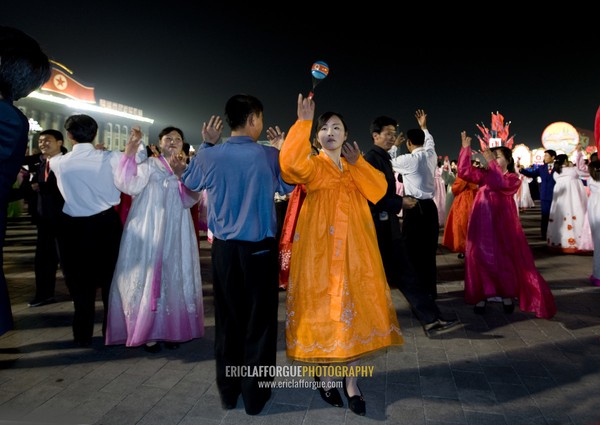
(331, 395)
(356, 403)
(508, 308)
(439, 326)
(228, 403)
(39, 303)
(154, 348)
(461, 255)
(479, 309)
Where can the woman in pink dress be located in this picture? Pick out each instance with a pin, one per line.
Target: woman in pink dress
(499, 262)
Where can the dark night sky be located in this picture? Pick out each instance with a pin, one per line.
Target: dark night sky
(181, 62)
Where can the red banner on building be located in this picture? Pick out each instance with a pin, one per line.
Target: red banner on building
(60, 82)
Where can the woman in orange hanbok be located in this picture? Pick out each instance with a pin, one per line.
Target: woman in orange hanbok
(455, 232)
(339, 306)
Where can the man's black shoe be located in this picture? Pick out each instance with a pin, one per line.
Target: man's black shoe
(439, 326)
(39, 303)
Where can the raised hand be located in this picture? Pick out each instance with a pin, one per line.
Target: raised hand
(466, 140)
(306, 108)
(275, 136)
(133, 143)
(211, 132)
(400, 138)
(421, 117)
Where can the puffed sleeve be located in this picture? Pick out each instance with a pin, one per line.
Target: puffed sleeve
(295, 156)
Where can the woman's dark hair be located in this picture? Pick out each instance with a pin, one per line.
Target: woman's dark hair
(507, 154)
(167, 130)
(594, 170)
(324, 117)
(559, 162)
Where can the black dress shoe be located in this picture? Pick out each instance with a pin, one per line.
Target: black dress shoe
(228, 405)
(461, 255)
(479, 309)
(83, 342)
(508, 308)
(331, 395)
(439, 326)
(39, 303)
(356, 403)
(154, 348)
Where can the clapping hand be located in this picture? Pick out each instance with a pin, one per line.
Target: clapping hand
(351, 151)
(275, 136)
(178, 162)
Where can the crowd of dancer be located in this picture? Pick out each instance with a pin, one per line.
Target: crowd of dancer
(350, 236)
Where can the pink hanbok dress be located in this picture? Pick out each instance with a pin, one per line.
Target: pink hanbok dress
(498, 260)
(156, 291)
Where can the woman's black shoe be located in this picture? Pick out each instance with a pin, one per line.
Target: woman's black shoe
(479, 309)
(154, 348)
(461, 255)
(356, 403)
(331, 395)
(508, 308)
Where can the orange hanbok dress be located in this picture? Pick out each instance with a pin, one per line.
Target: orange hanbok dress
(455, 232)
(339, 306)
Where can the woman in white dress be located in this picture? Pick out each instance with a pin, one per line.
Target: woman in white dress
(594, 216)
(439, 195)
(156, 292)
(567, 230)
(525, 200)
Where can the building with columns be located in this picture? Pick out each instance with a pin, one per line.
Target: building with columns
(63, 96)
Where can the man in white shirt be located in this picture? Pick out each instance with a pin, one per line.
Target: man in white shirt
(91, 226)
(420, 228)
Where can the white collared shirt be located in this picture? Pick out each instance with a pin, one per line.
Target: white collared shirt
(85, 179)
(418, 169)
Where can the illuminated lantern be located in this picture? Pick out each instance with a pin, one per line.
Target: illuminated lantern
(561, 137)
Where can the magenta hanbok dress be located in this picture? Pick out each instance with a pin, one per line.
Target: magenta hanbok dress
(498, 260)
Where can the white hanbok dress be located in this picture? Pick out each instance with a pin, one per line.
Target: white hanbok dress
(594, 222)
(156, 292)
(568, 231)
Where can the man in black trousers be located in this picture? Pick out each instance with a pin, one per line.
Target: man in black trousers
(91, 226)
(48, 213)
(398, 269)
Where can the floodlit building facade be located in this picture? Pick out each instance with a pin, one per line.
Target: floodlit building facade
(63, 96)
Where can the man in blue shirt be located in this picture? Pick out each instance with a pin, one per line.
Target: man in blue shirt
(241, 178)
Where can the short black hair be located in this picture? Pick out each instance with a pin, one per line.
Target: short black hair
(416, 136)
(239, 108)
(82, 128)
(551, 152)
(54, 133)
(24, 67)
(382, 121)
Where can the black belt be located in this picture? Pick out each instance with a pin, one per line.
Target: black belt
(111, 210)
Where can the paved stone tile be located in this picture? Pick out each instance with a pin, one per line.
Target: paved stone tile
(492, 369)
